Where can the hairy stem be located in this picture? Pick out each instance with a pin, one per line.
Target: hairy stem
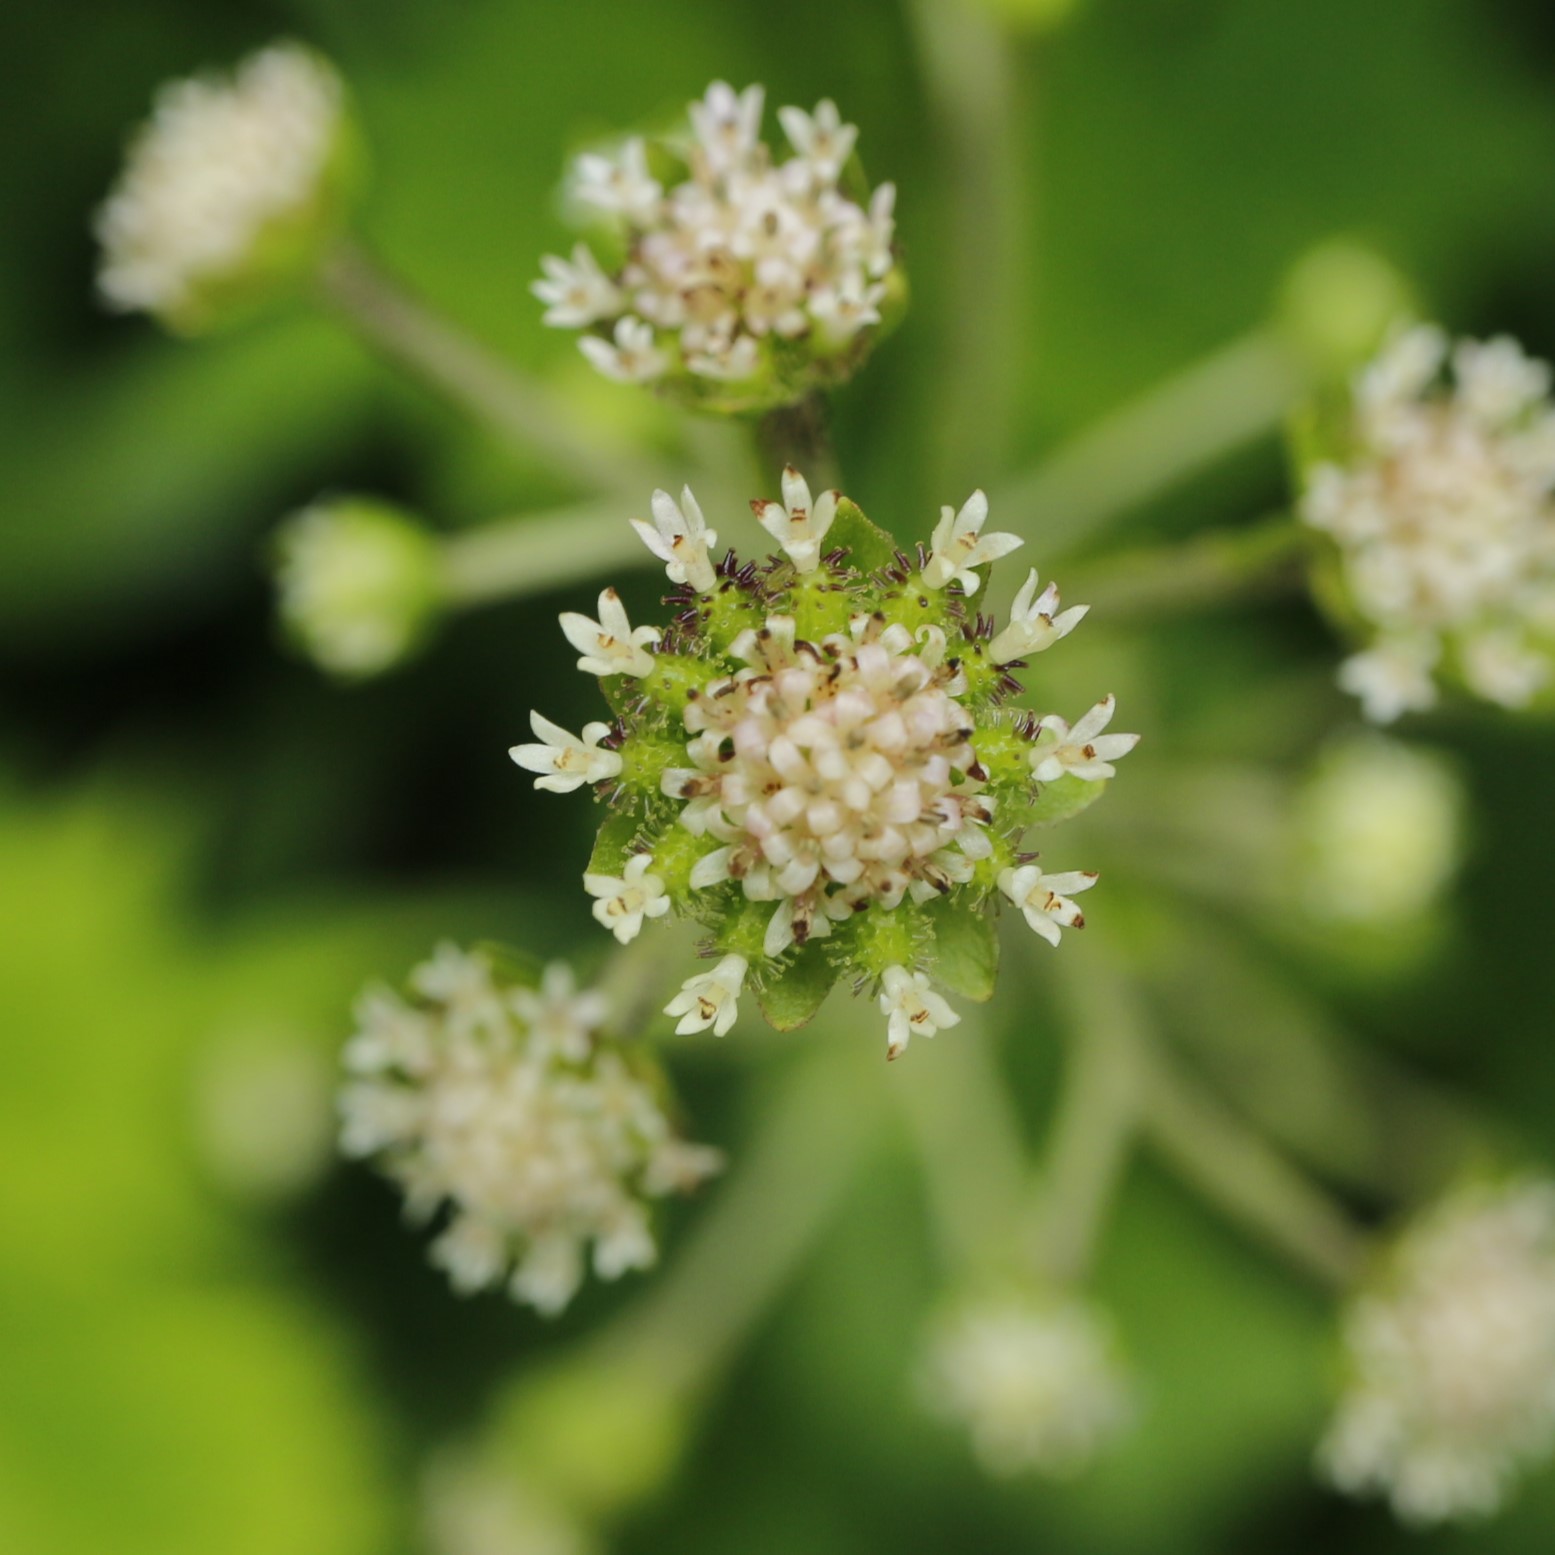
(400, 326)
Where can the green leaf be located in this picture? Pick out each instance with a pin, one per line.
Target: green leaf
(795, 994)
(966, 948)
(868, 545)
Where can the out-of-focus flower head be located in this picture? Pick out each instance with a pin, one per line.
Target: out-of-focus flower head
(735, 282)
(1378, 832)
(1035, 1380)
(499, 1105)
(1450, 1357)
(1435, 491)
(360, 583)
(816, 760)
(231, 191)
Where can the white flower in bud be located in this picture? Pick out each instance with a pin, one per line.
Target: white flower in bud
(1044, 899)
(539, 1145)
(912, 1008)
(1443, 518)
(1451, 1358)
(1082, 751)
(576, 293)
(796, 523)
(1036, 622)
(565, 761)
(632, 357)
(561, 1020)
(710, 998)
(619, 185)
(609, 645)
(959, 545)
(680, 538)
(1035, 1381)
(222, 167)
(625, 900)
(1393, 677)
(822, 138)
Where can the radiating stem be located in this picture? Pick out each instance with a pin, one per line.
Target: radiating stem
(969, 75)
(1206, 569)
(405, 330)
(1185, 424)
(1213, 1149)
(786, 1182)
(514, 557)
(970, 1148)
(1098, 1115)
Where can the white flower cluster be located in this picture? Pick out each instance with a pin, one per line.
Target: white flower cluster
(1441, 511)
(501, 1105)
(218, 166)
(1452, 1359)
(745, 252)
(1035, 1381)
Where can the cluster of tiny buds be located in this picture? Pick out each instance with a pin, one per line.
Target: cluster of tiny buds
(818, 752)
(748, 282)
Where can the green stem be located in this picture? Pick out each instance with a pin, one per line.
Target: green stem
(514, 557)
(755, 1233)
(1183, 425)
(799, 435)
(1207, 569)
(1213, 1149)
(969, 1144)
(969, 76)
(1092, 1133)
(522, 410)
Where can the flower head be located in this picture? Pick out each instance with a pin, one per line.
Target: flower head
(229, 192)
(1035, 1381)
(1451, 1358)
(816, 762)
(747, 284)
(359, 584)
(1437, 496)
(504, 1107)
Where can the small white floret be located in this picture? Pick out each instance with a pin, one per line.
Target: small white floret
(1082, 751)
(564, 761)
(912, 1008)
(1044, 900)
(710, 998)
(680, 538)
(1036, 622)
(623, 901)
(609, 645)
(576, 292)
(959, 545)
(798, 524)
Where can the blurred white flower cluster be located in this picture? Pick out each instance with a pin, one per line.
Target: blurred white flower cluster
(1035, 1380)
(229, 178)
(757, 278)
(1451, 1357)
(1440, 506)
(501, 1104)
